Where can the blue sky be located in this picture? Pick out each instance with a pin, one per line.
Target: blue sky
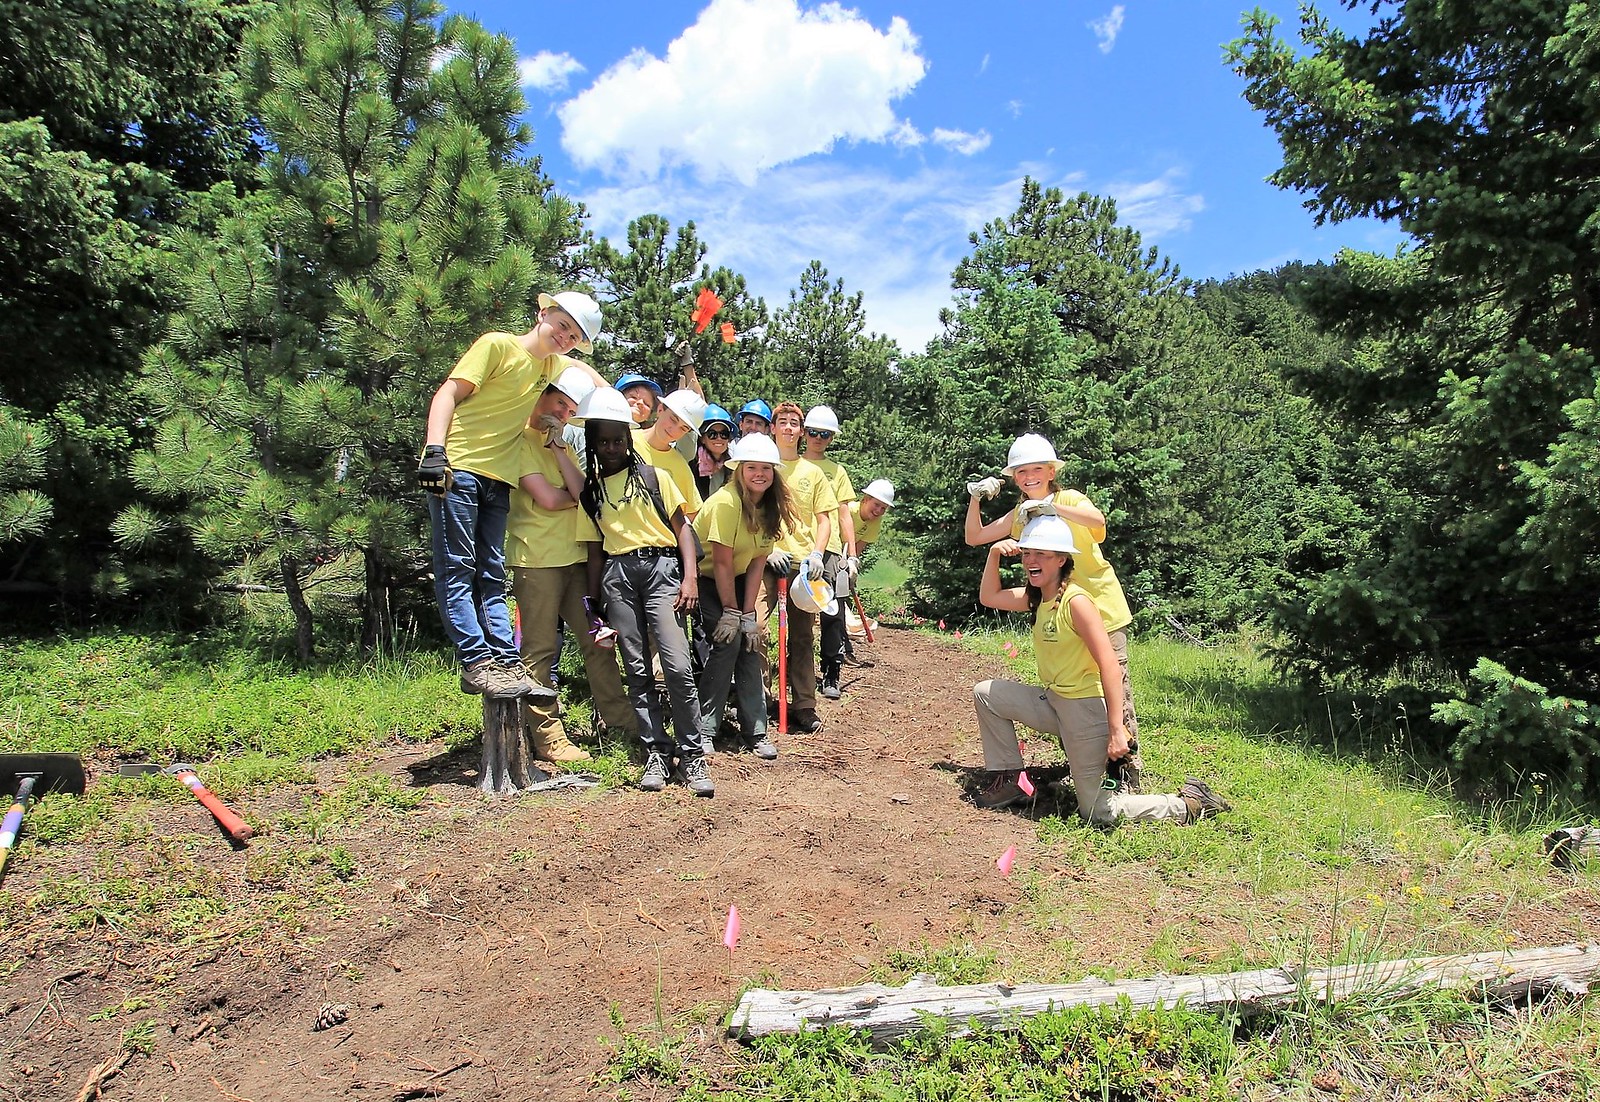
(875, 136)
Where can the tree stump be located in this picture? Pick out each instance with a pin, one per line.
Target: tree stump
(507, 767)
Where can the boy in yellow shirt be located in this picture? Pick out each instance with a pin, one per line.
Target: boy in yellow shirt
(469, 464)
(841, 563)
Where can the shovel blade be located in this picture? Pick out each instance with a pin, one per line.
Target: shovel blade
(54, 772)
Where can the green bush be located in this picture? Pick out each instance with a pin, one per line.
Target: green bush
(1514, 734)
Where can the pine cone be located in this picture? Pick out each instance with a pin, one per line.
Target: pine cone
(330, 1015)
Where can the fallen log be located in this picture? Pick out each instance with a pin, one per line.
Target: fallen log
(892, 1012)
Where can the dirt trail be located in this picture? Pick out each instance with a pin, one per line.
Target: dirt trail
(493, 938)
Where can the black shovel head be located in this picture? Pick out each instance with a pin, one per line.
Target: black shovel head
(54, 773)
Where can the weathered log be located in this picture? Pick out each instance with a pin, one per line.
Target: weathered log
(892, 1012)
(507, 767)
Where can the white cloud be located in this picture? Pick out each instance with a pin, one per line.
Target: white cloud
(983, 66)
(962, 142)
(1107, 27)
(751, 85)
(1015, 107)
(1156, 208)
(548, 72)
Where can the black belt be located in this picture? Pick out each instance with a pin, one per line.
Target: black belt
(648, 552)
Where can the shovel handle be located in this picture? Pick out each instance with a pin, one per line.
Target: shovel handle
(237, 828)
(11, 825)
(861, 612)
(783, 656)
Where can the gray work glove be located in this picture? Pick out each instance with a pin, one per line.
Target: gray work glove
(853, 565)
(1043, 507)
(984, 487)
(780, 561)
(433, 470)
(814, 564)
(754, 632)
(727, 629)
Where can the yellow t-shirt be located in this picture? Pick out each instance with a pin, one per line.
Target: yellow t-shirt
(1066, 667)
(722, 520)
(867, 531)
(672, 465)
(812, 495)
(486, 432)
(1089, 566)
(843, 493)
(627, 524)
(536, 536)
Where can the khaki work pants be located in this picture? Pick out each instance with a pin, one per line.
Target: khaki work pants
(546, 595)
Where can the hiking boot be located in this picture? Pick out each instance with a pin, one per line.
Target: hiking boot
(694, 773)
(655, 772)
(762, 747)
(1001, 791)
(515, 680)
(851, 658)
(475, 678)
(830, 682)
(804, 721)
(557, 748)
(1201, 801)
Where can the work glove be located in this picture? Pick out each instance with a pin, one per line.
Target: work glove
(728, 627)
(604, 635)
(780, 561)
(984, 487)
(853, 566)
(1028, 510)
(754, 631)
(814, 564)
(433, 471)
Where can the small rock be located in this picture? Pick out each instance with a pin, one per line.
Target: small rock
(861, 962)
(900, 798)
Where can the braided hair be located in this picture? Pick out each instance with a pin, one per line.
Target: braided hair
(594, 483)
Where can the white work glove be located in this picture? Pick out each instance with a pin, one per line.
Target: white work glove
(755, 635)
(814, 564)
(780, 561)
(853, 566)
(727, 629)
(984, 487)
(1043, 507)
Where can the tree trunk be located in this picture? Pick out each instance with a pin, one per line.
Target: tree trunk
(304, 639)
(507, 767)
(377, 605)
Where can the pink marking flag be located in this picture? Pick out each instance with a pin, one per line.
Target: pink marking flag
(730, 931)
(1003, 862)
(958, 633)
(1024, 783)
(941, 625)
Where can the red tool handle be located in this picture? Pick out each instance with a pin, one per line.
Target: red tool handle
(861, 612)
(237, 828)
(783, 656)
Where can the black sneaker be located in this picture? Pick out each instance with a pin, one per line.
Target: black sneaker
(1201, 801)
(830, 683)
(694, 773)
(655, 772)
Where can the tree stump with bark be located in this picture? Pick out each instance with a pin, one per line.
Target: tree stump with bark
(508, 767)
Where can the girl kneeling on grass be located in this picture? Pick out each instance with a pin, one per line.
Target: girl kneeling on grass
(642, 563)
(1081, 696)
(739, 526)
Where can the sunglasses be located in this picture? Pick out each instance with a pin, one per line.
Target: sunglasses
(717, 434)
(820, 434)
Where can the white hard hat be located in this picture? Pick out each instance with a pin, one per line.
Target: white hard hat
(755, 448)
(1028, 449)
(880, 488)
(688, 405)
(575, 383)
(584, 310)
(604, 403)
(822, 417)
(1048, 533)
(812, 594)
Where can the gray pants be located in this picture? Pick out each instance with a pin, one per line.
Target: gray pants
(1083, 731)
(639, 591)
(729, 666)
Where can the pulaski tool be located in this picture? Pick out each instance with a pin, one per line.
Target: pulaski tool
(239, 830)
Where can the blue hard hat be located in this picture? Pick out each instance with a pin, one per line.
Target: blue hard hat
(630, 378)
(757, 407)
(714, 413)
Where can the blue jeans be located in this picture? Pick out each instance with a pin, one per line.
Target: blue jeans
(469, 567)
(639, 592)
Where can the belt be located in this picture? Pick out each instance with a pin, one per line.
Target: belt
(648, 552)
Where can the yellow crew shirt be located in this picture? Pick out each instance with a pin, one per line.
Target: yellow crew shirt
(485, 435)
(867, 531)
(1089, 566)
(671, 464)
(843, 493)
(631, 522)
(1066, 667)
(722, 520)
(535, 536)
(811, 495)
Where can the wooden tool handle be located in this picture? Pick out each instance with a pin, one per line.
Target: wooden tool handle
(237, 828)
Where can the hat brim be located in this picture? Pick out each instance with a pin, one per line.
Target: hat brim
(1055, 465)
(583, 343)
